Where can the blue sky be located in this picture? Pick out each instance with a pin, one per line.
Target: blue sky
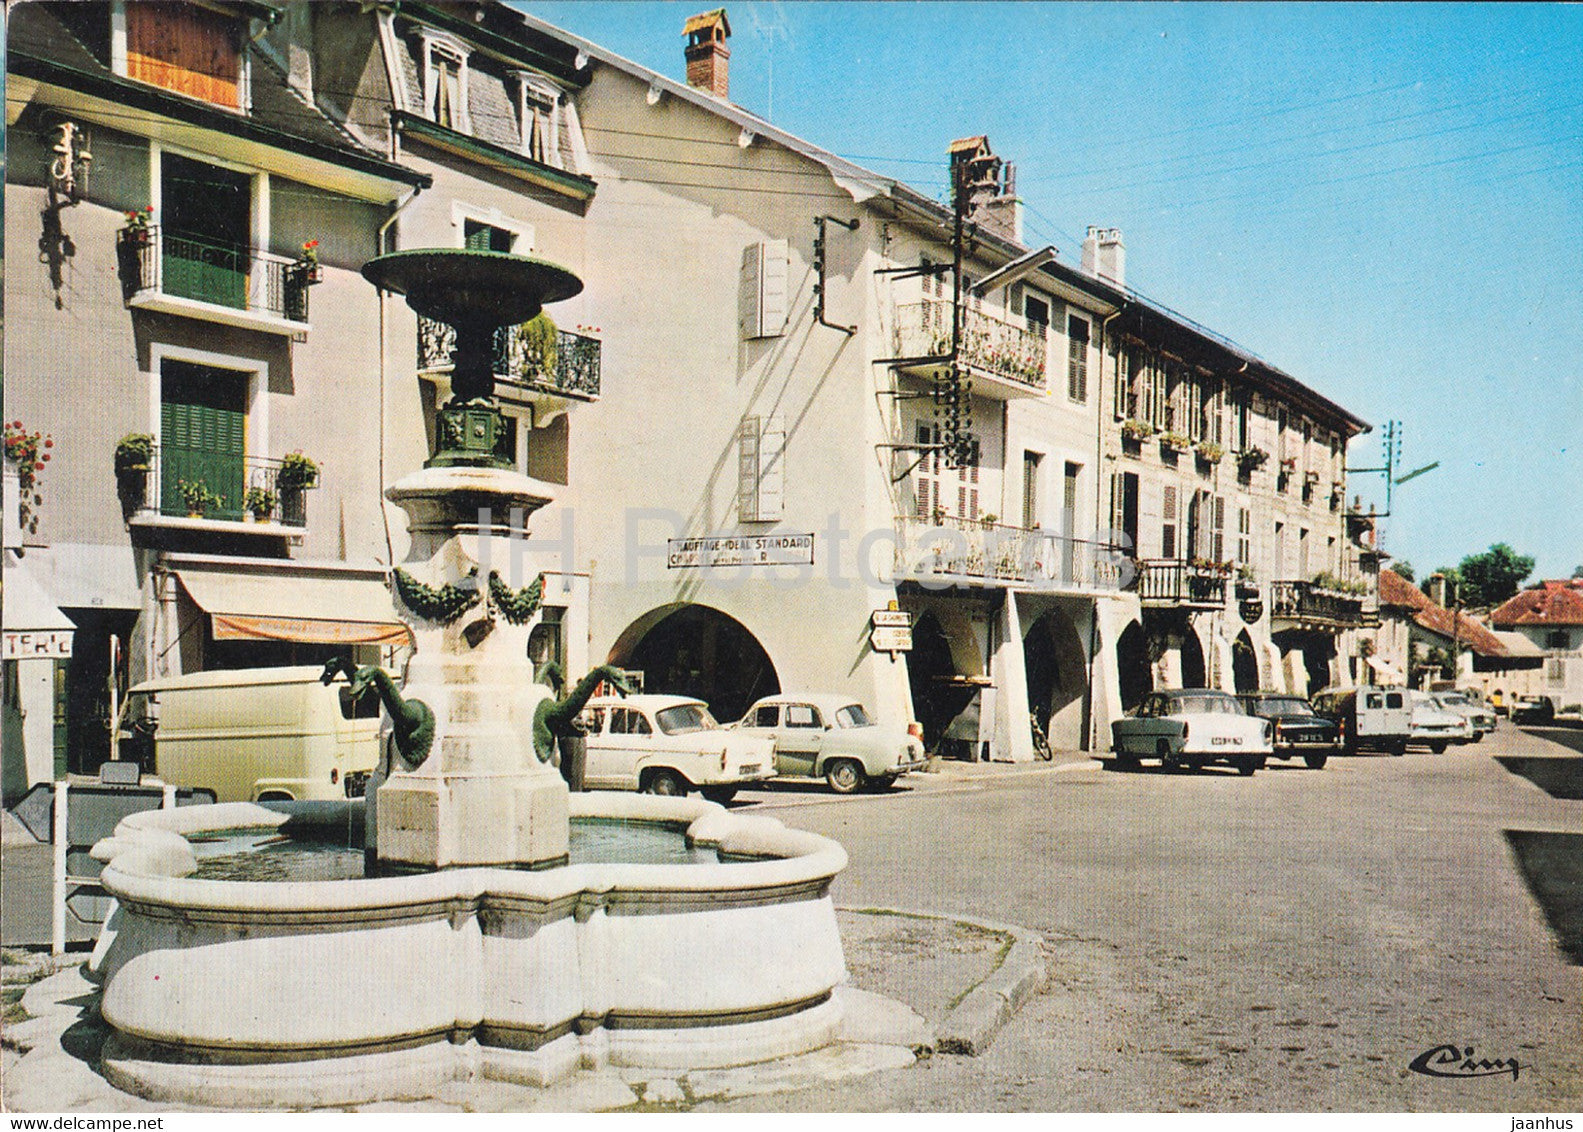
(1384, 200)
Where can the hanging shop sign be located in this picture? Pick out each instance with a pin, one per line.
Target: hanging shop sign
(43, 643)
(890, 630)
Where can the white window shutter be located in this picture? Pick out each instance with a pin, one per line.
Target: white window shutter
(765, 275)
(772, 469)
(748, 471)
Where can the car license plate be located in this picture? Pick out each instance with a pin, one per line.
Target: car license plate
(1225, 740)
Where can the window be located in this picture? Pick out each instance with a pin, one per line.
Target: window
(1280, 550)
(1168, 523)
(934, 479)
(206, 214)
(188, 49)
(480, 237)
(203, 438)
(766, 716)
(1558, 639)
(1077, 358)
(1244, 536)
(853, 715)
(1217, 528)
(445, 83)
(629, 721)
(1036, 311)
(1124, 509)
(1030, 489)
(803, 715)
(1241, 406)
(1302, 553)
(761, 454)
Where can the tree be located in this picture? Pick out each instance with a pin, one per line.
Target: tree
(1403, 569)
(1490, 578)
(1577, 571)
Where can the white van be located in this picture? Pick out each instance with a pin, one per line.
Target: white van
(259, 734)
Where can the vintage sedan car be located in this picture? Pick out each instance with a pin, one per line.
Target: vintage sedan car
(1434, 727)
(668, 745)
(1298, 731)
(1191, 728)
(1480, 718)
(832, 737)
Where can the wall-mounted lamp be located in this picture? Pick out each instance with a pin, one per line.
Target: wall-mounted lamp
(69, 165)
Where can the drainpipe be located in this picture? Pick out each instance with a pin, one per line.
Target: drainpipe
(384, 360)
(1099, 480)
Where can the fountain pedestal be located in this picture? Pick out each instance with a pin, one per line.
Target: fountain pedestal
(481, 796)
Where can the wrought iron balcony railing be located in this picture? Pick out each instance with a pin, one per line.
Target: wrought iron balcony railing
(1307, 602)
(203, 483)
(972, 549)
(566, 367)
(1178, 581)
(993, 345)
(240, 278)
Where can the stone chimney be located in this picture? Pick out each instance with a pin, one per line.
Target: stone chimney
(1104, 255)
(707, 53)
(1439, 587)
(991, 185)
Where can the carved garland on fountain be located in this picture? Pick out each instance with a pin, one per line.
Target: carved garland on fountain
(519, 606)
(442, 604)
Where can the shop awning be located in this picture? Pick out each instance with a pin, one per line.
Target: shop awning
(1387, 671)
(310, 609)
(34, 626)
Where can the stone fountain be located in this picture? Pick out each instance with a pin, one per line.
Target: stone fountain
(474, 944)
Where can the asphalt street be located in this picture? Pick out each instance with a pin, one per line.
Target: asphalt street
(1290, 941)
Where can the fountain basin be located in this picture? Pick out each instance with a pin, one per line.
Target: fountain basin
(293, 993)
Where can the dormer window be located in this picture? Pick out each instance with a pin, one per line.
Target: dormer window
(192, 50)
(551, 133)
(445, 83)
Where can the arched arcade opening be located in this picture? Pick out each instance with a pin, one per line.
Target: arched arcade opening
(698, 651)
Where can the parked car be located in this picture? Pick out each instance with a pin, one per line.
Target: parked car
(668, 745)
(832, 737)
(1434, 727)
(1533, 709)
(256, 734)
(1192, 727)
(1298, 731)
(1370, 718)
(1480, 718)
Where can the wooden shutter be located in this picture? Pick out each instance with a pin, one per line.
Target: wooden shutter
(1218, 526)
(761, 479)
(184, 48)
(1168, 522)
(765, 272)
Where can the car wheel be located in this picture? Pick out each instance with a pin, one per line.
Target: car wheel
(1162, 751)
(1315, 762)
(844, 776)
(1126, 760)
(721, 794)
(1399, 747)
(882, 783)
(1246, 767)
(1438, 748)
(665, 782)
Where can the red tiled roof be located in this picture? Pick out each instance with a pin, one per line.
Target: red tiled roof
(1555, 602)
(1398, 591)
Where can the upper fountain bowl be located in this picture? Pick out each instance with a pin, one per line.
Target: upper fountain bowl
(455, 285)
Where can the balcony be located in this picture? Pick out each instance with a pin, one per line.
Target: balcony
(1307, 605)
(1004, 359)
(201, 489)
(1178, 583)
(569, 369)
(972, 552)
(233, 285)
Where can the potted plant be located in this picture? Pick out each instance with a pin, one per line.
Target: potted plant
(1176, 441)
(298, 473)
(27, 452)
(1209, 452)
(1136, 430)
(258, 504)
(1251, 459)
(134, 459)
(197, 497)
(138, 228)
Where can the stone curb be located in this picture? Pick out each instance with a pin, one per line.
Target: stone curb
(972, 1024)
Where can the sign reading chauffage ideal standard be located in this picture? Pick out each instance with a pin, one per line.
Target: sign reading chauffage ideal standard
(890, 631)
(740, 550)
(51, 643)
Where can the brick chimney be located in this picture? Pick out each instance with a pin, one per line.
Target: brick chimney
(1104, 255)
(707, 54)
